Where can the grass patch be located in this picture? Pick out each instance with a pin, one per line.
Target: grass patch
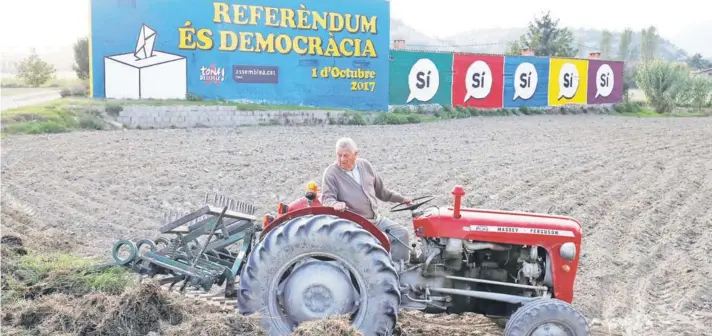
(397, 119)
(57, 116)
(642, 110)
(26, 275)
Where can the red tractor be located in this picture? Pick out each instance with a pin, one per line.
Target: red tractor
(313, 261)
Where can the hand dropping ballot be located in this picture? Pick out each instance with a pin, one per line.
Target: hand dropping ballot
(145, 73)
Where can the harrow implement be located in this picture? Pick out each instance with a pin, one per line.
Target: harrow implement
(205, 247)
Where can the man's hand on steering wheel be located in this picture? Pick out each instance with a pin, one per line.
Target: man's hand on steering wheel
(409, 204)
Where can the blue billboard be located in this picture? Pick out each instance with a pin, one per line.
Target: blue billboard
(526, 81)
(308, 52)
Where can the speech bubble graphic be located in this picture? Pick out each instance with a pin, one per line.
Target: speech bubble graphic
(423, 80)
(604, 81)
(478, 80)
(568, 81)
(525, 81)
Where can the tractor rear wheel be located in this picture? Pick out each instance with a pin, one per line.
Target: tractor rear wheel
(316, 266)
(551, 317)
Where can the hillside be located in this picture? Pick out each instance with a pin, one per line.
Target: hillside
(495, 40)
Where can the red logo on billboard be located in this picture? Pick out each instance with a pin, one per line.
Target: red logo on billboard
(212, 74)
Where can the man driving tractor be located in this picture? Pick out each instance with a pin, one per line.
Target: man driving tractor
(352, 183)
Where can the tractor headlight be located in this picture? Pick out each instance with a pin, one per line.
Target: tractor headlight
(568, 251)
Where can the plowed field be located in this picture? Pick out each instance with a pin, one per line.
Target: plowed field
(641, 187)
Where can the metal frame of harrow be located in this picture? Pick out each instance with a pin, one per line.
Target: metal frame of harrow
(185, 259)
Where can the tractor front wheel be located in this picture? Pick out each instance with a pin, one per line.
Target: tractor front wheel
(317, 266)
(549, 317)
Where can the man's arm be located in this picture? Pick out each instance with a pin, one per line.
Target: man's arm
(328, 191)
(382, 192)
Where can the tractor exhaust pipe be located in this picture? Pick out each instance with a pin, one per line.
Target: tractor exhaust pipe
(514, 299)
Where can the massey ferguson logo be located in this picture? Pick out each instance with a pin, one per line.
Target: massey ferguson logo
(518, 230)
(212, 74)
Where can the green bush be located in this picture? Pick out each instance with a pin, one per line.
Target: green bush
(473, 111)
(77, 90)
(392, 118)
(356, 119)
(664, 84)
(113, 109)
(697, 90)
(414, 119)
(193, 97)
(628, 107)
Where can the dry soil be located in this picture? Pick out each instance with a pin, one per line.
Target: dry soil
(642, 188)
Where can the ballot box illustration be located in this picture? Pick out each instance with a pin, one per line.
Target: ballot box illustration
(145, 73)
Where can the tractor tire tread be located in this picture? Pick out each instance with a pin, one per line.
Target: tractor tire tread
(519, 324)
(309, 233)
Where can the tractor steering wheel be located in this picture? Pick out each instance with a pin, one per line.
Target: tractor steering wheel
(414, 204)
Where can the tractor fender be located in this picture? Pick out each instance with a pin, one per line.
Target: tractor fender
(322, 210)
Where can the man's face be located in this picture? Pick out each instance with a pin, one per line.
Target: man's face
(346, 158)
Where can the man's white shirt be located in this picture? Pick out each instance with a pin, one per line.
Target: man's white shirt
(355, 174)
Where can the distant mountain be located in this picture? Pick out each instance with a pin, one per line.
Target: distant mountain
(494, 41)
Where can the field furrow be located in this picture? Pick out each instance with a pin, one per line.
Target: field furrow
(641, 187)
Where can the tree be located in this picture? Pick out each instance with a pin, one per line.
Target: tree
(606, 45)
(546, 39)
(696, 92)
(81, 58)
(515, 47)
(624, 49)
(649, 40)
(696, 62)
(34, 71)
(664, 83)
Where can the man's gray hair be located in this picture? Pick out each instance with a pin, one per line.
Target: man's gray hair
(346, 143)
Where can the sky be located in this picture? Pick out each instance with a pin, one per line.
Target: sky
(443, 20)
(60, 23)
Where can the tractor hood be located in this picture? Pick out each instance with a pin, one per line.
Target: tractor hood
(504, 226)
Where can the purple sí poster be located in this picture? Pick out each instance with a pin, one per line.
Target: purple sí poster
(605, 82)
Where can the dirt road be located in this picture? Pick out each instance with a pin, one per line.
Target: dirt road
(14, 98)
(641, 187)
